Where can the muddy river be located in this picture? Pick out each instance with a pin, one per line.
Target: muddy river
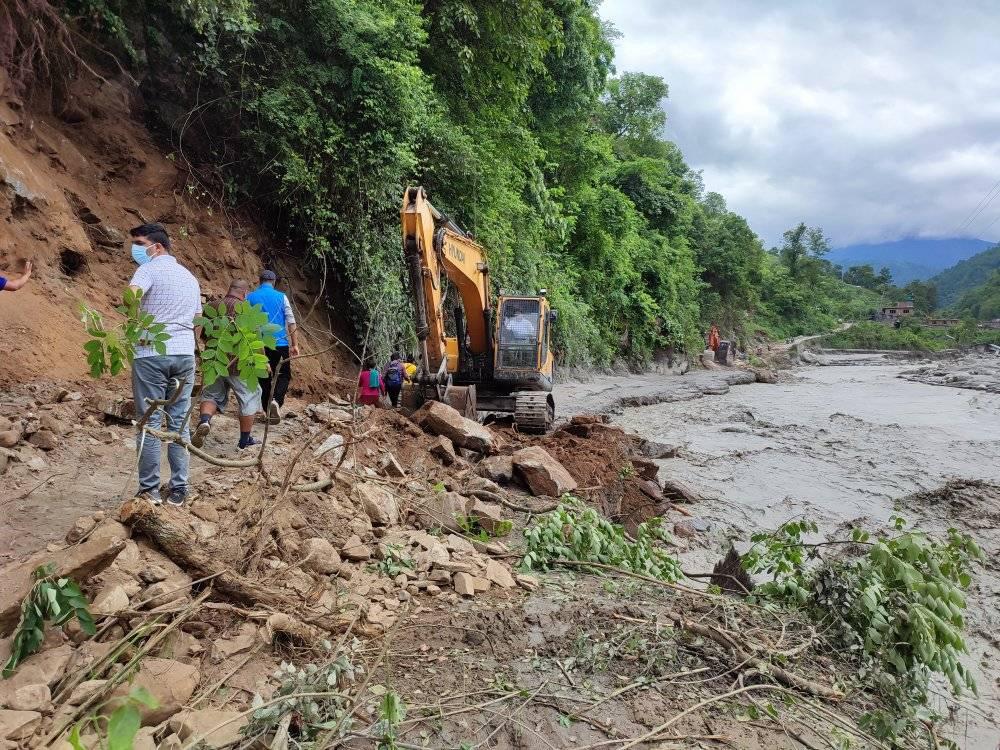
(844, 445)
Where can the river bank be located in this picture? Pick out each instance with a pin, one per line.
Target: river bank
(850, 445)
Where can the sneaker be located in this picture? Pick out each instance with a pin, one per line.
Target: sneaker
(177, 498)
(250, 443)
(274, 413)
(152, 497)
(200, 433)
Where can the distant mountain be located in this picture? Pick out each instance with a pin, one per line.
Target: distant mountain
(968, 274)
(912, 259)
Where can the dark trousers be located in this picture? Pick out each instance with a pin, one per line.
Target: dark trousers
(281, 378)
(393, 391)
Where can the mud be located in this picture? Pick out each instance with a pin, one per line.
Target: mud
(851, 445)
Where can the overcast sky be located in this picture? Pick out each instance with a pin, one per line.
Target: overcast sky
(874, 120)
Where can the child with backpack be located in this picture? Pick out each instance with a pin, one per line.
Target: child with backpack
(370, 383)
(395, 374)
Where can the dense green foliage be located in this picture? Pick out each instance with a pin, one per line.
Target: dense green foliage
(910, 336)
(894, 604)
(982, 302)
(965, 276)
(316, 114)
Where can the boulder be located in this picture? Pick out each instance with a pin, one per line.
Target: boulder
(456, 543)
(85, 691)
(170, 682)
(320, 555)
(650, 489)
(49, 422)
(81, 527)
(390, 465)
(645, 469)
(441, 510)
(464, 584)
(334, 442)
(243, 641)
(31, 698)
(488, 515)
(499, 469)
(655, 449)
(18, 725)
(379, 503)
(499, 574)
(173, 588)
(444, 450)
(216, 728)
(10, 438)
(110, 601)
(542, 473)
(79, 563)
(44, 439)
(441, 419)
(354, 549)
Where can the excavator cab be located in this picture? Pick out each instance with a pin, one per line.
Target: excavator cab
(522, 336)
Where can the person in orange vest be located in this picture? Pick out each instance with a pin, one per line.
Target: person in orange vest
(713, 338)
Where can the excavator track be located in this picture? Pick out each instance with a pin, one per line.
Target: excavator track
(534, 411)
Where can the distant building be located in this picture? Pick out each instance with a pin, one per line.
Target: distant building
(995, 323)
(942, 322)
(898, 311)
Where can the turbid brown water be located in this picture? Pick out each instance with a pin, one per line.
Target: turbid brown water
(844, 445)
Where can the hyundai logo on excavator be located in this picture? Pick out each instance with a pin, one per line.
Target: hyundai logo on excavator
(456, 253)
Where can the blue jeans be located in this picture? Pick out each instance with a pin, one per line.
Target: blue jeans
(152, 378)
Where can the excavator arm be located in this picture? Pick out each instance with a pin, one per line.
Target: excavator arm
(432, 243)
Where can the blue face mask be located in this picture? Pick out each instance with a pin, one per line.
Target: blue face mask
(139, 254)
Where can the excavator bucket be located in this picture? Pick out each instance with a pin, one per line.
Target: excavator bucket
(462, 398)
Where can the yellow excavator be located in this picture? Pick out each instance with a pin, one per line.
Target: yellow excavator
(499, 360)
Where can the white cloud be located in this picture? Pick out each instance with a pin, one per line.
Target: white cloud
(872, 120)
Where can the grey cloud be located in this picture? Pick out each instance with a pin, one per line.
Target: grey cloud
(872, 120)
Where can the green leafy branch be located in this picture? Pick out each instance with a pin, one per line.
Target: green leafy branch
(235, 343)
(118, 730)
(577, 532)
(51, 599)
(109, 350)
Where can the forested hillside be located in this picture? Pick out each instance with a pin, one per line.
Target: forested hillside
(313, 116)
(983, 301)
(962, 277)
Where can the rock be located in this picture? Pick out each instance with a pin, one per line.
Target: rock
(379, 503)
(650, 489)
(499, 574)
(324, 413)
(645, 469)
(37, 463)
(189, 725)
(456, 543)
(499, 469)
(443, 449)
(204, 530)
(145, 739)
(49, 422)
(173, 588)
(171, 742)
(242, 642)
(441, 419)
(81, 527)
(439, 576)
(427, 558)
(153, 574)
(440, 510)
(489, 517)
(527, 582)
(110, 601)
(685, 530)
(464, 584)
(333, 442)
(4, 461)
(480, 584)
(655, 449)
(79, 562)
(115, 407)
(31, 698)
(353, 549)
(19, 725)
(10, 438)
(542, 473)
(171, 683)
(205, 512)
(108, 531)
(85, 691)
(391, 466)
(320, 555)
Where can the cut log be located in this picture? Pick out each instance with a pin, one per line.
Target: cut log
(181, 545)
(79, 563)
(677, 490)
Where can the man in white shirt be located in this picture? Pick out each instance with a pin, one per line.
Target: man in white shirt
(171, 294)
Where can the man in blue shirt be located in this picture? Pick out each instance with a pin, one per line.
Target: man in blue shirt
(279, 313)
(12, 285)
